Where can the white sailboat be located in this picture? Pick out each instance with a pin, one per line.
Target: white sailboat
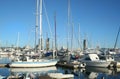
(29, 62)
(33, 63)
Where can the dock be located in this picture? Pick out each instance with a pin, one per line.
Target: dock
(72, 65)
(114, 64)
(118, 64)
(68, 65)
(45, 77)
(3, 65)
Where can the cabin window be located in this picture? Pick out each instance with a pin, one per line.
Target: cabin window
(87, 59)
(96, 58)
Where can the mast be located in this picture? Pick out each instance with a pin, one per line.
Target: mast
(55, 34)
(40, 25)
(47, 42)
(36, 27)
(17, 42)
(72, 38)
(68, 24)
(79, 36)
(117, 37)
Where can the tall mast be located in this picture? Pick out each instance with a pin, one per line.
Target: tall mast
(68, 23)
(72, 38)
(117, 37)
(79, 36)
(55, 34)
(36, 27)
(40, 24)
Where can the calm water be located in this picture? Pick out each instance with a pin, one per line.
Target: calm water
(84, 73)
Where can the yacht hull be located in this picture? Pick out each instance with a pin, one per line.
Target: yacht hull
(97, 63)
(24, 64)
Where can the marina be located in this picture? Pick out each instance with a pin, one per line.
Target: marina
(46, 40)
(57, 72)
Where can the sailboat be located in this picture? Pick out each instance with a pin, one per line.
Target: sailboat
(27, 61)
(32, 63)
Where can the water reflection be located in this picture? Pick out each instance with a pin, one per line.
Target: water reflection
(78, 73)
(84, 73)
(34, 73)
(101, 73)
(4, 72)
(93, 73)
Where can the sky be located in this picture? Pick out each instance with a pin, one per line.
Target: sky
(99, 21)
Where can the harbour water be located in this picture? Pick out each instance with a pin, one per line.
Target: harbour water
(82, 73)
(87, 73)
